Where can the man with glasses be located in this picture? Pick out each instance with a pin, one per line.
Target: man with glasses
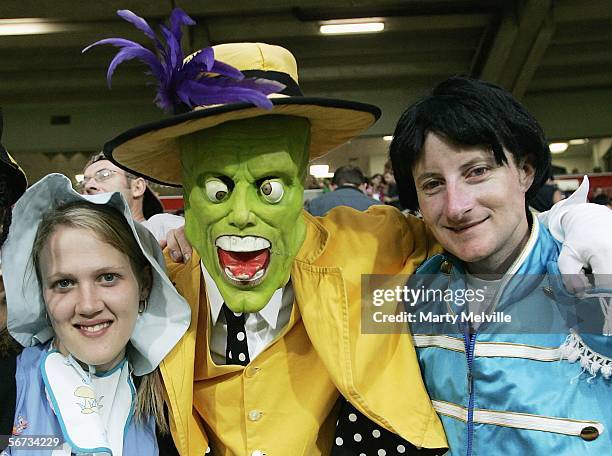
(101, 175)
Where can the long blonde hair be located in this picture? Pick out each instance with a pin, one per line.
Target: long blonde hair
(110, 227)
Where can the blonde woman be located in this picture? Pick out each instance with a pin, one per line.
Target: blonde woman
(88, 297)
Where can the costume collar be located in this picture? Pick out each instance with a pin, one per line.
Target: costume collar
(269, 313)
(528, 248)
(93, 410)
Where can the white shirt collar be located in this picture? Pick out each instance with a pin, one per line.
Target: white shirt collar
(269, 313)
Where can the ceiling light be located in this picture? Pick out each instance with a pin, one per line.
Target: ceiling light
(578, 142)
(320, 171)
(557, 148)
(388, 137)
(30, 26)
(352, 26)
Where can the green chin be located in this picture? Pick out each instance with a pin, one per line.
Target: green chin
(244, 297)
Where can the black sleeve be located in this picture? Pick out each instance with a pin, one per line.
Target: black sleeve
(8, 392)
(166, 445)
(164, 441)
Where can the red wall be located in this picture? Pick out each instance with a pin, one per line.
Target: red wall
(172, 203)
(603, 180)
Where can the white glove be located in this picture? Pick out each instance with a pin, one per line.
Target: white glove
(585, 230)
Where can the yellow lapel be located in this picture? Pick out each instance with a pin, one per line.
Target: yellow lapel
(320, 294)
(178, 367)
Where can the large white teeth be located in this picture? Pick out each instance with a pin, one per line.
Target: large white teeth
(244, 277)
(96, 328)
(242, 244)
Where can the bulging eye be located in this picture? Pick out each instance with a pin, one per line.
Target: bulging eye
(272, 191)
(216, 190)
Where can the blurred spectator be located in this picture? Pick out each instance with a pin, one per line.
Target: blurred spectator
(600, 197)
(391, 195)
(388, 167)
(375, 188)
(547, 195)
(313, 183)
(326, 185)
(348, 189)
(101, 176)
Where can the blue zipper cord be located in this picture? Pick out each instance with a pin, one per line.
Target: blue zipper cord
(469, 341)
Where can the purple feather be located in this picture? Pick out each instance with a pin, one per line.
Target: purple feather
(224, 69)
(174, 53)
(206, 56)
(221, 90)
(194, 93)
(191, 83)
(133, 52)
(119, 42)
(137, 22)
(178, 17)
(204, 62)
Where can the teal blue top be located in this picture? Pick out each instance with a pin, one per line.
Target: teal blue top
(537, 386)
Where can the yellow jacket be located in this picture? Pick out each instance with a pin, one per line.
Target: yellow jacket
(282, 403)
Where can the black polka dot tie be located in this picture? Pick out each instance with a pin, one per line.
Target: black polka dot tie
(237, 349)
(356, 435)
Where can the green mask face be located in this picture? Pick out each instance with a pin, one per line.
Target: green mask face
(243, 189)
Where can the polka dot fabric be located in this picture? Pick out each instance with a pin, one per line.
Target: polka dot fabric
(237, 350)
(356, 435)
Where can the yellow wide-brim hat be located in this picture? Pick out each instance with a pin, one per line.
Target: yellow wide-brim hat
(152, 150)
